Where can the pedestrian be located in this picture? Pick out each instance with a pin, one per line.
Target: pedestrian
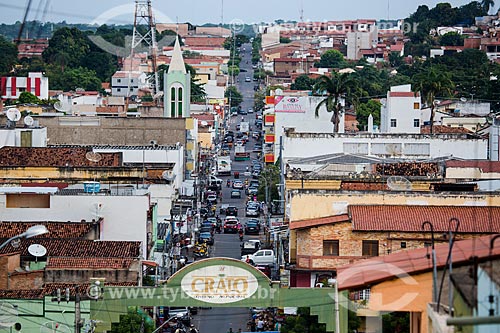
(260, 325)
(193, 329)
(230, 330)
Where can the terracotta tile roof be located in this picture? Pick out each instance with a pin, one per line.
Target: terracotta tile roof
(371, 271)
(54, 157)
(88, 263)
(56, 229)
(483, 165)
(22, 294)
(443, 129)
(289, 60)
(79, 248)
(410, 218)
(301, 224)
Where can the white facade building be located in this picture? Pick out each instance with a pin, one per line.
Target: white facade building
(124, 217)
(23, 137)
(410, 146)
(401, 111)
(35, 83)
(128, 83)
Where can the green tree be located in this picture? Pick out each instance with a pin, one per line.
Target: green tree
(233, 70)
(234, 95)
(269, 178)
(8, 56)
(303, 82)
(302, 322)
(451, 39)
(27, 98)
(258, 101)
(395, 59)
(132, 322)
(364, 110)
(331, 59)
(487, 4)
(432, 82)
(68, 47)
(396, 322)
(334, 88)
(73, 78)
(285, 40)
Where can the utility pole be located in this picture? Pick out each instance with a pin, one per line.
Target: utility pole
(76, 299)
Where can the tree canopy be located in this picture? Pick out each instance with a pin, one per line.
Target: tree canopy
(8, 59)
(234, 95)
(331, 59)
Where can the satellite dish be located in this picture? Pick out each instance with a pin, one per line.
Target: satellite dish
(13, 114)
(54, 327)
(93, 157)
(398, 183)
(28, 121)
(61, 107)
(463, 99)
(8, 315)
(37, 250)
(204, 123)
(278, 92)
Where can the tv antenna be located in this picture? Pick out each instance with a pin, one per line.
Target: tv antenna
(62, 107)
(28, 121)
(399, 183)
(93, 157)
(13, 115)
(54, 327)
(37, 250)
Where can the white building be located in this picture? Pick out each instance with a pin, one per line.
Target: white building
(410, 146)
(33, 136)
(297, 113)
(35, 83)
(128, 83)
(401, 111)
(124, 217)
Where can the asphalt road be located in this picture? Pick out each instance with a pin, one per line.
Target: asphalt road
(219, 320)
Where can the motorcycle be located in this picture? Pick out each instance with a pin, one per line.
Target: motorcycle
(200, 250)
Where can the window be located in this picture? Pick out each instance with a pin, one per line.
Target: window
(330, 247)
(403, 245)
(118, 80)
(416, 106)
(179, 101)
(394, 123)
(416, 122)
(118, 89)
(370, 248)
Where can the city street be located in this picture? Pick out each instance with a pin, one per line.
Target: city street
(219, 320)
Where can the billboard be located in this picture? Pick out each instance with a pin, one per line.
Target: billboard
(287, 104)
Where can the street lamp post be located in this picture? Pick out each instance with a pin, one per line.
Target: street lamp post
(434, 267)
(32, 231)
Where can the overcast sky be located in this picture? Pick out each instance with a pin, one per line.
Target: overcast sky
(210, 11)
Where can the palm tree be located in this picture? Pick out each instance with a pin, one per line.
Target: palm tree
(432, 82)
(334, 87)
(487, 4)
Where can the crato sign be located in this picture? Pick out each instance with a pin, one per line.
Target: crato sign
(219, 284)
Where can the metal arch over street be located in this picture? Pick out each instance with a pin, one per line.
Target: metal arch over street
(216, 282)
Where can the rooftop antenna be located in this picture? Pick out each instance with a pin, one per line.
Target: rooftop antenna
(399, 183)
(95, 158)
(301, 39)
(28, 121)
(37, 250)
(13, 116)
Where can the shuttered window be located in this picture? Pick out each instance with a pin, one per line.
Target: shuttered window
(330, 247)
(370, 248)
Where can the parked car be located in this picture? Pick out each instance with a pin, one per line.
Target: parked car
(232, 211)
(261, 257)
(248, 79)
(250, 110)
(264, 269)
(236, 194)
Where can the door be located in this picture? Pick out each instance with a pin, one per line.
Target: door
(26, 139)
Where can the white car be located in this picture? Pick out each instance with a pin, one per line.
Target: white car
(261, 257)
(212, 198)
(250, 110)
